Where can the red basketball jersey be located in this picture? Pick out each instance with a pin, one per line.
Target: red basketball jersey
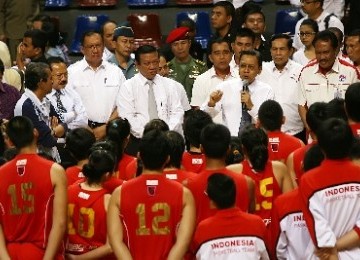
(26, 197)
(150, 208)
(267, 189)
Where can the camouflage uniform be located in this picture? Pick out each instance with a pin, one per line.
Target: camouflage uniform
(186, 77)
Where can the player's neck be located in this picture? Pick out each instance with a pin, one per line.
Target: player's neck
(28, 149)
(152, 172)
(194, 149)
(213, 164)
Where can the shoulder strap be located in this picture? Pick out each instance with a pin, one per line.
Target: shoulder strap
(327, 19)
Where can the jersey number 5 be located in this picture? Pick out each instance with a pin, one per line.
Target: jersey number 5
(26, 205)
(265, 192)
(156, 220)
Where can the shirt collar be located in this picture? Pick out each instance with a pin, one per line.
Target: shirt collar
(143, 80)
(335, 67)
(287, 66)
(85, 65)
(214, 75)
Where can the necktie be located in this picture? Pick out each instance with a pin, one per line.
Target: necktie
(153, 113)
(245, 116)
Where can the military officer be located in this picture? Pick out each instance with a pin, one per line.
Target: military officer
(183, 68)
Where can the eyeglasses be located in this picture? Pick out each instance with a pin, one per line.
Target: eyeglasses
(306, 34)
(303, 2)
(94, 46)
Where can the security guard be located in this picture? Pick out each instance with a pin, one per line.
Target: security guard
(183, 68)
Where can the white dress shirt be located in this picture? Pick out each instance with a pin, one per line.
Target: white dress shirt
(234, 67)
(133, 103)
(205, 84)
(98, 89)
(331, 6)
(285, 86)
(299, 57)
(182, 95)
(317, 87)
(107, 55)
(75, 115)
(333, 22)
(230, 104)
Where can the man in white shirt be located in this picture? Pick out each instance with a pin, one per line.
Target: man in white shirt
(243, 41)
(97, 82)
(325, 78)
(314, 10)
(282, 75)
(220, 56)
(330, 6)
(231, 99)
(148, 96)
(66, 101)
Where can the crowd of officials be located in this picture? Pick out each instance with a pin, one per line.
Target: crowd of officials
(247, 150)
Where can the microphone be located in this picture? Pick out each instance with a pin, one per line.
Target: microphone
(245, 84)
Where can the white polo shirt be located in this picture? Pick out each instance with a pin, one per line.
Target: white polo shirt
(98, 88)
(230, 105)
(285, 86)
(333, 22)
(133, 103)
(317, 87)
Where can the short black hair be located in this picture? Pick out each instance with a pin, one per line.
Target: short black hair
(313, 24)
(215, 140)
(282, 36)
(228, 6)
(100, 162)
(90, 33)
(352, 101)
(326, 36)
(34, 73)
(20, 130)
(254, 11)
(145, 49)
(244, 32)
(38, 37)
(154, 149)
(336, 108)
(157, 124)
(355, 32)
(335, 138)
(271, 115)
(316, 115)
(79, 141)
(54, 60)
(177, 148)
(194, 123)
(338, 33)
(221, 189)
(105, 23)
(218, 41)
(254, 53)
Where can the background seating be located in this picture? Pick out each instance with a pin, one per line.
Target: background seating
(85, 23)
(286, 21)
(203, 27)
(146, 29)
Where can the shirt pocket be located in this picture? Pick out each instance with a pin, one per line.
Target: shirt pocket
(312, 88)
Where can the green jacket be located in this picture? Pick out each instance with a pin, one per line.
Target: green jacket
(186, 77)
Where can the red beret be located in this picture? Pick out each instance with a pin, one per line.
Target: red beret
(177, 34)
